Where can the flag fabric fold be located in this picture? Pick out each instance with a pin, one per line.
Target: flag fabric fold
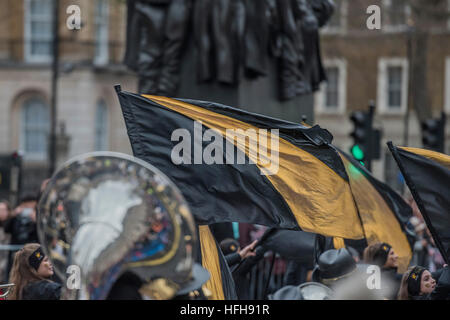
(220, 283)
(427, 174)
(383, 212)
(291, 178)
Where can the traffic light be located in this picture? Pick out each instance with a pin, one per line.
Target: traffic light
(433, 134)
(360, 134)
(5, 176)
(366, 140)
(10, 176)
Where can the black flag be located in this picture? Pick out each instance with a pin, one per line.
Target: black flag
(427, 174)
(268, 171)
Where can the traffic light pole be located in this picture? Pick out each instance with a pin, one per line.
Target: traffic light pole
(370, 136)
(442, 132)
(53, 111)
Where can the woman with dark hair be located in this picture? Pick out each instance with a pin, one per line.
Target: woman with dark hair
(384, 256)
(419, 284)
(30, 274)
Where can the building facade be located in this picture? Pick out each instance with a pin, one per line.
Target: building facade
(361, 64)
(364, 64)
(88, 111)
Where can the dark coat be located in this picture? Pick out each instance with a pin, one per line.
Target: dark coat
(42, 290)
(233, 259)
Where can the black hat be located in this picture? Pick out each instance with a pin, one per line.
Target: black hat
(199, 276)
(332, 265)
(381, 255)
(414, 279)
(36, 258)
(229, 245)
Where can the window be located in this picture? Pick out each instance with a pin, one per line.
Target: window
(101, 32)
(392, 85)
(332, 96)
(396, 14)
(447, 85)
(101, 126)
(35, 129)
(38, 30)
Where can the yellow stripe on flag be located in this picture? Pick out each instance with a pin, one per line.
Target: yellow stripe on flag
(442, 159)
(379, 222)
(319, 198)
(210, 261)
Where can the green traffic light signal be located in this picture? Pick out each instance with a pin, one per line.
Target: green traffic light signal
(357, 152)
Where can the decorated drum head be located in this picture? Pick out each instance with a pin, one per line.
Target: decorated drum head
(103, 214)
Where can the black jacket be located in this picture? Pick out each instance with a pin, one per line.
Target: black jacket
(233, 259)
(42, 290)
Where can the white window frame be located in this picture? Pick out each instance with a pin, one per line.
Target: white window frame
(22, 138)
(341, 64)
(103, 41)
(343, 18)
(382, 90)
(29, 57)
(447, 86)
(105, 142)
(397, 28)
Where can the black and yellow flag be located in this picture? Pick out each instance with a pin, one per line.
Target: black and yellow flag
(221, 283)
(427, 174)
(236, 166)
(384, 214)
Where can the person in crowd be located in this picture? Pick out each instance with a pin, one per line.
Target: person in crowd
(384, 256)
(425, 251)
(5, 211)
(335, 276)
(332, 266)
(31, 273)
(21, 225)
(337, 269)
(354, 253)
(233, 253)
(418, 283)
(245, 233)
